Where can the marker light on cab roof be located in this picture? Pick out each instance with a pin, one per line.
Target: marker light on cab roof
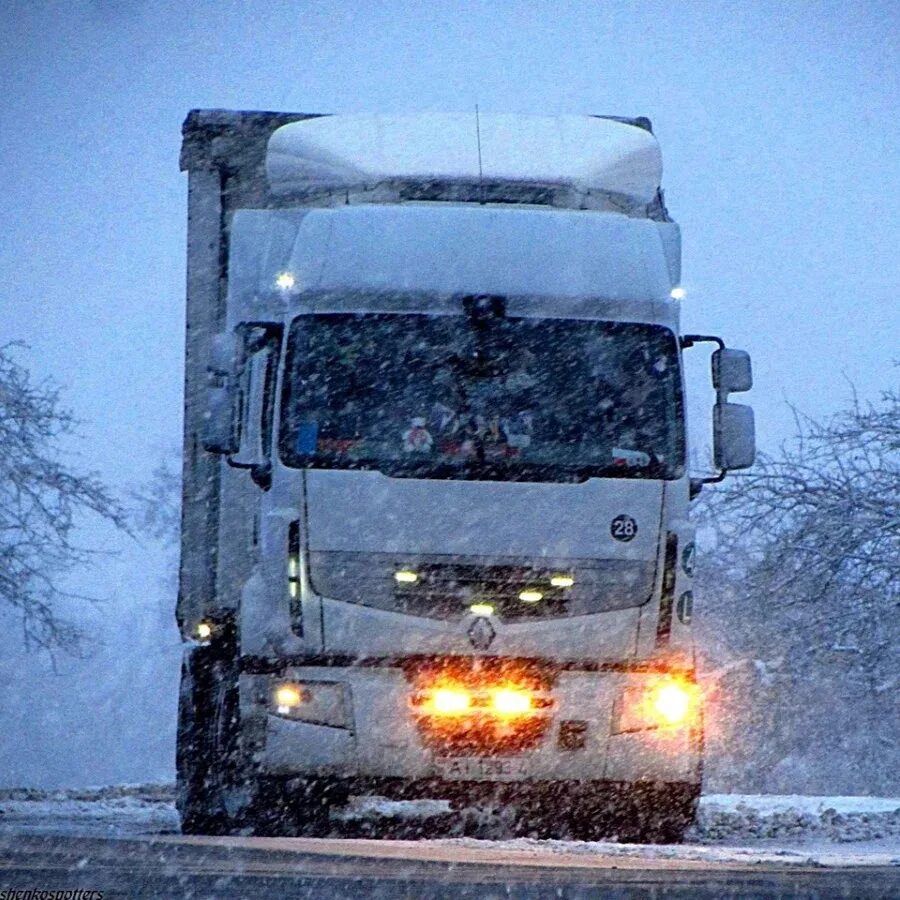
(284, 281)
(678, 293)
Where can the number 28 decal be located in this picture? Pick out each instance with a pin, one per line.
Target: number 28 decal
(623, 528)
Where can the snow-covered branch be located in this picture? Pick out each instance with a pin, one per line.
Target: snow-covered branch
(40, 499)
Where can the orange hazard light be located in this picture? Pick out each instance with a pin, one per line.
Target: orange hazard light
(673, 702)
(511, 702)
(448, 701)
(664, 702)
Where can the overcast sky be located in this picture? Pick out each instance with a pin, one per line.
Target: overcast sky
(778, 126)
(777, 123)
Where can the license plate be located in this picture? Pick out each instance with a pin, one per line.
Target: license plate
(481, 768)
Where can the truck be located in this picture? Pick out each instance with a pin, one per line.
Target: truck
(436, 539)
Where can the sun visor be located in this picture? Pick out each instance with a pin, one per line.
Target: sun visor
(361, 151)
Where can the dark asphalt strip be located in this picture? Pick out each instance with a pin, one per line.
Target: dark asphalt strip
(153, 869)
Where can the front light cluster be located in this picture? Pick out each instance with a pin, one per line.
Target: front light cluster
(504, 702)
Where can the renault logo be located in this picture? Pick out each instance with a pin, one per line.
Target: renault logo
(481, 634)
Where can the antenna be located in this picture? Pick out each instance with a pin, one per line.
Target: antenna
(480, 172)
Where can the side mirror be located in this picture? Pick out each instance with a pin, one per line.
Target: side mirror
(734, 436)
(731, 371)
(224, 354)
(219, 432)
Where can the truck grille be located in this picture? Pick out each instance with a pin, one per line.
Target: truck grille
(447, 590)
(445, 587)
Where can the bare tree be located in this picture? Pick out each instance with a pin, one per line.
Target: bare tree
(157, 513)
(40, 499)
(819, 525)
(805, 583)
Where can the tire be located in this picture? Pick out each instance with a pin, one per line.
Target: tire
(294, 806)
(636, 814)
(217, 790)
(207, 749)
(661, 814)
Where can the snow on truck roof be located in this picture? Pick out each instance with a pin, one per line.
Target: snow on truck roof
(585, 153)
(569, 262)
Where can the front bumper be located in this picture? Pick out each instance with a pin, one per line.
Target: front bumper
(383, 741)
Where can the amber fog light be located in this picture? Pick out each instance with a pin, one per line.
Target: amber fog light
(288, 697)
(511, 702)
(667, 702)
(316, 702)
(445, 700)
(672, 703)
(507, 702)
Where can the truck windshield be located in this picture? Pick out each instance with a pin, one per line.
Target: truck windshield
(521, 399)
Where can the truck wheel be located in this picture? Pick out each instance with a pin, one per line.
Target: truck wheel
(206, 747)
(637, 814)
(194, 797)
(294, 806)
(661, 814)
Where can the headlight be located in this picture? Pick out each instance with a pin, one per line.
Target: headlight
(450, 701)
(288, 697)
(317, 702)
(667, 702)
(511, 702)
(672, 703)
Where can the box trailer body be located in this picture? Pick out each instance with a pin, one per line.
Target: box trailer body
(436, 538)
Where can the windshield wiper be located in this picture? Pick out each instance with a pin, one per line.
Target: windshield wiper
(488, 470)
(474, 470)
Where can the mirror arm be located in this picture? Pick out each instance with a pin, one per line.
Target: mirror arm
(261, 474)
(688, 340)
(696, 484)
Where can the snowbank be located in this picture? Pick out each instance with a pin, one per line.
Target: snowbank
(117, 810)
(877, 853)
(729, 817)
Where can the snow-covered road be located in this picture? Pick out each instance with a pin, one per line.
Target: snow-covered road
(125, 842)
(732, 828)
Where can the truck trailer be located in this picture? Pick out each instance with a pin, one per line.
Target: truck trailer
(435, 535)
